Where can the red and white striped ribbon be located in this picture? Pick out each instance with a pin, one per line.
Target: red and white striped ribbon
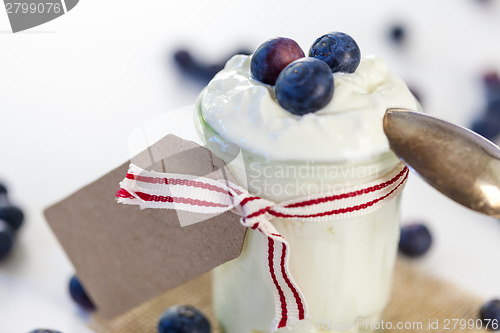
(150, 189)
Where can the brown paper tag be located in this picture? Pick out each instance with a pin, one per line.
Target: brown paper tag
(125, 256)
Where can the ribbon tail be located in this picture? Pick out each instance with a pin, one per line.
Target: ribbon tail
(289, 303)
(150, 189)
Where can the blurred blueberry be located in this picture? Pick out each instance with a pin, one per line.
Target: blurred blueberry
(397, 33)
(487, 127)
(190, 67)
(488, 124)
(78, 294)
(41, 330)
(490, 314)
(415, 240)
(491, 81)
(13, 216)
(493, 108)
(491, 77)
(197, 70)
(183, 319)
(183, 59)
(6, 239)
(3, 189)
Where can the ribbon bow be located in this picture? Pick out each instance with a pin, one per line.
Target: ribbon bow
(150, 189)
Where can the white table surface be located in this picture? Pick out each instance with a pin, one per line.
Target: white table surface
(72, 91)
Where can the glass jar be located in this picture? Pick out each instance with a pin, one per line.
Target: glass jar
(343, 267)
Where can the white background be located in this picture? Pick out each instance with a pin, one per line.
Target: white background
(72, 90)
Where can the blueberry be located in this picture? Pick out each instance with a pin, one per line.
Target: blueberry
(487, 127)
(493, 108)
(13, 216)
(200, 71)
(183, 59)
(6, 239)
(415, 240)
(338, 50)
(397, 34)
(272, 56)
(304, 86)
(490, 314)
(192, 67)
(491, 81)
(3, 189)
(183, 319)
(41, 330)
(491, 77)
(78, 294)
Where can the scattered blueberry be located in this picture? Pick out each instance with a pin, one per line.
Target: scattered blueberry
(338, 50)
(272, 56)
(11, 219)
(485, 128)
(491, 81)
(198, 70)
(183, 59)
(41, 330)
(192, 67)
(304, 86)
(6, 239)
(415, 240)
(13, 216)
(493, 107)
(3, 189)
(183, 319)
(397, 34)
(490, 314)
(488, 123)
(490, 77)
(78, 294)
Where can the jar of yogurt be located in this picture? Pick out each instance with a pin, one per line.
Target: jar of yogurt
(343, 266)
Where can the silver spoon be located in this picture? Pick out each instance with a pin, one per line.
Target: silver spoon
(459, 163)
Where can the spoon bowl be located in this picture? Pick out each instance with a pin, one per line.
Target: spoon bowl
(459, 163)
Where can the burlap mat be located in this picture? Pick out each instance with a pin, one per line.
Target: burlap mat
(417, 298)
